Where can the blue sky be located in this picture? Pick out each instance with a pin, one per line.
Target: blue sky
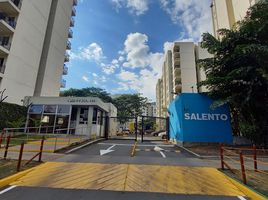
(119, 45)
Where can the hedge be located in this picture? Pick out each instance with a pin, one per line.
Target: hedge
(10, 113)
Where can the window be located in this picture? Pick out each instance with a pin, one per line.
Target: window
(64, 109)
(50, 109)
(36, 109)
(95, 115)
(83, 119)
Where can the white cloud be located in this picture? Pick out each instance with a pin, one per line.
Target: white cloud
(137, 51)
(136, 7)
(92, 52)
(109, 69)
(121, 59)
(85, 78)
(193, 15)
(147, 66)
(94, 74)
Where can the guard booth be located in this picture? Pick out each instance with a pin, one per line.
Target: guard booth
(69, 115)
(194, 120)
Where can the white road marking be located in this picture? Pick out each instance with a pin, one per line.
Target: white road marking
(241, 198)
(163, 155)
(140, 145)
(106, 151)
(7, 189)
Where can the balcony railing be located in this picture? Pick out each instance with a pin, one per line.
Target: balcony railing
(178, 88)
(176, 55)
(73, 11)
(63, 83)
(70, 33)
(67, 57)
(72, 22)
(17, 3)
(5, 42)
(65, 70)
(2, 68)
(69, 45)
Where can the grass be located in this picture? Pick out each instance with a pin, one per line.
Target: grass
(256, 180)
(9, 167)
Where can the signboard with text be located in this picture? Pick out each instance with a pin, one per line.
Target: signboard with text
(193, 120)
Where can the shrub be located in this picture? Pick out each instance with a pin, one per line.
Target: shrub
(10, 114)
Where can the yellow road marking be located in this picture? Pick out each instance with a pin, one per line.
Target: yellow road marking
(124, 177)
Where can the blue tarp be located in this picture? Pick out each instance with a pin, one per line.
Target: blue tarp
(193, 120)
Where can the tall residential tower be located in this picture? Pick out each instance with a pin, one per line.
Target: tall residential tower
(225, 13)
(33, 42)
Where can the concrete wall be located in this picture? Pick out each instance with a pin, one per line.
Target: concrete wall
(225, 13)
(201, 76)
(24, 57)
(188, 67)
(53, 66)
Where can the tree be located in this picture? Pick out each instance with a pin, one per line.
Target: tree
(129, 105)
(88, 92)
(238, 72)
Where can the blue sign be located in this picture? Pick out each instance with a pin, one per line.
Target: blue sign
(193, 120)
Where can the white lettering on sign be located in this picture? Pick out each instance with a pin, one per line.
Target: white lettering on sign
(205, 116)
(81, 100)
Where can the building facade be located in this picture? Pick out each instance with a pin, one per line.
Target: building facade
(33, 42)
(225, 13)
(69, 115)
(181, 75)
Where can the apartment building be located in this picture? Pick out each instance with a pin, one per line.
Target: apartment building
(149, 109)
(34, 37)
(180, 74)
(225, 13)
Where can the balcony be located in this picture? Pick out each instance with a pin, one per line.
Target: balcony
(177, 72)
(69, 45)
(177, 55)
(73, 11)
(70, 33)
(75, 3)
(177, 80)
(67, 57)
(177, 63)
(176, 48)
(65, 70)
(2, 68)
(4, 46)
(6, 28)
(178, 88)
(63, 83)
(10, 7)
(71, 22)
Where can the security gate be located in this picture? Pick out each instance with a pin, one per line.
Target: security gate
(144, 128)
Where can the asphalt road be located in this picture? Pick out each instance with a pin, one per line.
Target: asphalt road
(120, 151)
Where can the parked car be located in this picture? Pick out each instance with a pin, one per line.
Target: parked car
(156, 133)
(163, 135)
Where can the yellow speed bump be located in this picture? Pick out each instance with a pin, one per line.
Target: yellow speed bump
(138, 178)
(134, 149)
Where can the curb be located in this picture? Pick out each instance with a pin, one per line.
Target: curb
(10, 179)
(254, 195)
(84, 145)
(195, 154)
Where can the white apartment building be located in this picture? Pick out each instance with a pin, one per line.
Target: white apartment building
(225, 13)
(33, 42)
(149, 109)
(181, 74)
